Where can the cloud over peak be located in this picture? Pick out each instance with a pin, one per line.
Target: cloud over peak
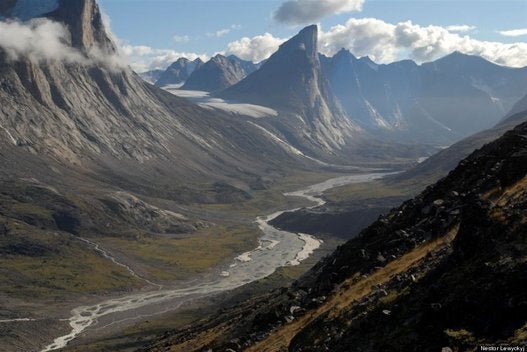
(144, 58)
(386, 42)
(255, 49)
(42, 39)
(38, 40)
(295, 12)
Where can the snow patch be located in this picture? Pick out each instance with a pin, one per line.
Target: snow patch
(204, 100)
(19, 320)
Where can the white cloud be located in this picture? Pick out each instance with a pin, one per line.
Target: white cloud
(38, 40)
(460, 28)
(514, 32)
(44, 40)
(385, 42)
(255, 49)
(224, 31)
(144, 58)
(181, 38)
(294, 12)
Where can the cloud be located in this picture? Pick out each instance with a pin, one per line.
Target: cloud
(42, 39)
(38, 40)
(181, 38)
(224, 31)
(255, 49)
(144, 58)
(514, 32)
(460, 28)
(295, 12)
(386, 42)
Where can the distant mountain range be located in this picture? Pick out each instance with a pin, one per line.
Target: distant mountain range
(439, 164)
(178, 72)
(218, 73)
(438, 102)
(435, 103)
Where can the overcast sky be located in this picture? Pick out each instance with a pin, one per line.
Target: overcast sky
(153, 33)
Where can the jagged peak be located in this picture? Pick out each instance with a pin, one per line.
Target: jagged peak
(345, 54)
(306, 39)
(219, 57)
(82, 18)
(182, 61)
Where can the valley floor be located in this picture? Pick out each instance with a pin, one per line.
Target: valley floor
(161, 263)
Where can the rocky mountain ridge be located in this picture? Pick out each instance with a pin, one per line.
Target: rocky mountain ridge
(178, 72)
(438, 102)
(219, 73)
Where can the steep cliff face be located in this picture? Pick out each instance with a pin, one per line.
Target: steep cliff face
(291, 81)
(442, 270)
(84, 21)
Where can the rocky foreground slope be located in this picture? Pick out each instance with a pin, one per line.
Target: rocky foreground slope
(445, 269)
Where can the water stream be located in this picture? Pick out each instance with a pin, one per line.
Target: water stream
(276, 248)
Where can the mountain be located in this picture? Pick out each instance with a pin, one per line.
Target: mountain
(94, 157)
(93, 109)
(291, 82)
(248, 66)
(438, 102)
(151, 76)
(444, 270)
(520, 106)
(178, 72)
(218, 73)
(440, 164)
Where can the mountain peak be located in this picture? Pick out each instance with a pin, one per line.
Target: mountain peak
(84, 21)
(345, 54)
(82, 18)
(182, 60)
(306, 40)
(292, 82)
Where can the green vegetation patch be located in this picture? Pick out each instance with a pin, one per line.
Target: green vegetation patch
(168, 258)
(38, 264)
